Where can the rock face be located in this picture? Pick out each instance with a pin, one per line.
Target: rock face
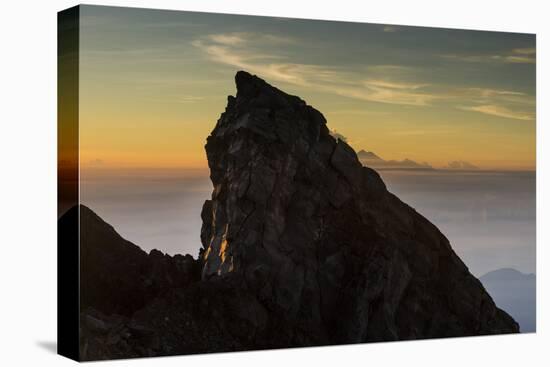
(302, 246)
(318, 239)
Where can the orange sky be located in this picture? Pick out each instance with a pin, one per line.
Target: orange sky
(151, 90)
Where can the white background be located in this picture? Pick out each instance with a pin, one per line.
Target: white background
(28, 182)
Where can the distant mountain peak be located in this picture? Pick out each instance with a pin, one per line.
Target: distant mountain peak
(370, 159)
(363, 154)
(506, 273)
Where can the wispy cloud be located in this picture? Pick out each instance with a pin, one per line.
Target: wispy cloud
(500, 111)
(390, 84)
(394, 85)
(515, 56)
(234, 50)
(233, 39)
(498, 102)
(488, 92)
(388, 92)
(491, 96)
(241, 51)
(525, 51)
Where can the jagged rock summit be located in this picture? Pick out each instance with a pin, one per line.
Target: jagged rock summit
(302, 246)
(319, 240)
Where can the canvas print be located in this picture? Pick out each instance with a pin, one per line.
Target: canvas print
(236, 183)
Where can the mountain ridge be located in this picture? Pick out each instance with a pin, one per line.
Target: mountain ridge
(269, 221)
(301, 246)
(370, 159)
(508, 272)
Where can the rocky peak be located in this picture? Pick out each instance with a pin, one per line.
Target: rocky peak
(269, 113)
(319, 239)
(302, 246)
(266, 138)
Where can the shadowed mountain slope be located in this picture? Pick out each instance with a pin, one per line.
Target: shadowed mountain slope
(318, 238)
(302, 246)
(118, 277)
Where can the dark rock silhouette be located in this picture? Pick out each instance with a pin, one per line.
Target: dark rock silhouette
(302, 246)
(318, 238)
(117, 276)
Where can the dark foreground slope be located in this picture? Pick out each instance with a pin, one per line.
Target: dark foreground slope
(117, 276)
(302, 246)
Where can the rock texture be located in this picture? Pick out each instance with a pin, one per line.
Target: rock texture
(302, 246)
(319, 240)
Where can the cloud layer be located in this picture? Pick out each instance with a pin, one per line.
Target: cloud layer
(242, 51)
(390, 84)
(514, 56)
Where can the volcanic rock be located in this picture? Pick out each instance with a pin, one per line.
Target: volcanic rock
(302, 246)
(320, 241)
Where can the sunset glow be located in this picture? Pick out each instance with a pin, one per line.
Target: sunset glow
(154, 83)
